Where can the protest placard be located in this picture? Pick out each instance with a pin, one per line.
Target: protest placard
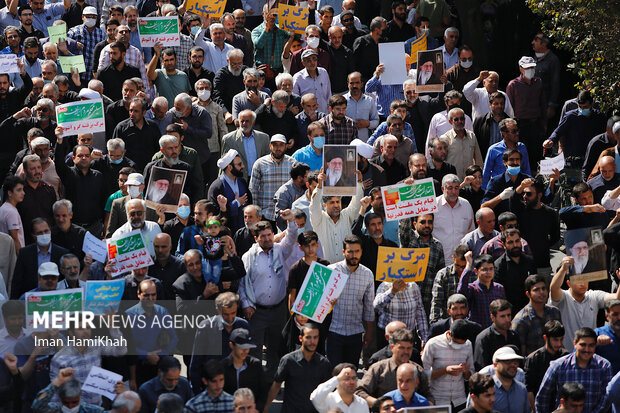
(165, 187)
(392, 56)
(164, 30)
(128, 252)
(430, 69)
(48, 301)
(67, 63)
(8, 63)
(339, 165)
(85, 116)
(321, 286)
(418, 45)
(406, 201)
(407, 264)
(587, 248)
(97, 248)
(212, 8)
(103, 295)
(57, 33)
(101, 381)
(293, 18)
(547, 165)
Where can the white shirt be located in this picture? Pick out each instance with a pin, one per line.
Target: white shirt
(336, 22)
(150, 230)
(332, 234)
(610, 203)
(215, 58)
(324, 398)
(452, 224)
(440, 125)
(578, 314)
(479, 98)
(439, 353)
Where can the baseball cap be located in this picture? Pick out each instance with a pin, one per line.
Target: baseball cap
(135, 179)
(48, 268)
(308, 53)
(278, 138)
(89, 10)
(240, 337)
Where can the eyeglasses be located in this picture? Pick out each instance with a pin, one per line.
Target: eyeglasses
(528, 193)
(459, 119)
(136, 213)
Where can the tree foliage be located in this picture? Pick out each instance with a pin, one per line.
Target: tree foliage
(590, 29)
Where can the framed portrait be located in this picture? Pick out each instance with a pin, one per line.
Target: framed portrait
(339, 164)
(429, 72)
(587, 248)
(165, 187)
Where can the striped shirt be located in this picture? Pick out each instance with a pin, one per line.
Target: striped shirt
(405, 306)
(386, 94)
(205, 403)
(479, 297)
(268, 176)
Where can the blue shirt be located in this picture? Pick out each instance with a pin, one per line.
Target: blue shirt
(146, 337)
(431, 44)
(390, 229)
(400, 402)
(308, 156)
(382, 130)
(496, 185)
(152, 389)
(611, 351)
(386, 94)
(512, 401)
(51, 12)
(302, 124)
(364, 108)
(494, 165)
(613, 392)
(249, 144)
(43, 258)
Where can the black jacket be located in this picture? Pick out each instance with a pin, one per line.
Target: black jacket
(25, 277)
(482, 130)
(226, 86)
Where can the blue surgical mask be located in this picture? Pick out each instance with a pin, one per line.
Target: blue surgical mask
(513, 170)
(300, 230)
(183, 211)
(116, 162)
(195, 30)
(584, 112)
(319, 141)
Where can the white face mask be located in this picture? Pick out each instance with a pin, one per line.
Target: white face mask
(204, 95)
(44, 240)
(313, 42)
(90, 22)
(466, 63)
(134, 191)
(75, 409)
(529, 73)
(539, 55)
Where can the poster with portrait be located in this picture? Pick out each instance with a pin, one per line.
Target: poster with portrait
(339, 165)
(429, 409)
(587, 248)
(429, 72)
(165, 187)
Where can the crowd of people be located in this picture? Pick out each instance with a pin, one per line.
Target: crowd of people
(243, 110)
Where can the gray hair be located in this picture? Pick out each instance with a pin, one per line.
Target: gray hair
(243, 393)
(114, 144)
(408, 82)
(95, 84)
(234, 53)
(131, 202)
(449, 30)
(126, 400)
(306, 97)
(250, 71)
(312, 27)
(450, 179)
(169, 403)
(63, 202)
(167, 139)
(70, 389)
(504, 122)
(457, 299)
(67, 256)
(184, 197)
(454, 111)
(190, 253)
(30, 158)
(48, 45)
(47, 102)
(9, 29)
(160, 101)
(246, 111)
(257, 209)
(167, 8)
(201, 81)
(435, 139)
(53, 86)
(50, 63)
(216, 26)
(40, 140)
(282, 77)
(185, 98)
(280, 96)
(226, 300)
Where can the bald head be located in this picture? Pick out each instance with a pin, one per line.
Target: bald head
(485, 218)
(607, 166)
(162, 245)
(406, 379)
(392, 327)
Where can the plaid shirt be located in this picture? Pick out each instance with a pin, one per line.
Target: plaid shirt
(405, 306)
(266, 50)
(479, 297)
(182, 52)
(205, 403)
(495, 247)
(355, 303)
(134, 58)
(530, 326)
(386, 94)
(593, 378)
(89, 40)
(444, 286)
(338, 133)
(267, 177)
(409, 238)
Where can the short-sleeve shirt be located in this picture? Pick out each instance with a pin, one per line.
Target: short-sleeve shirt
(169, 86)
(576, 315)
(10, 220)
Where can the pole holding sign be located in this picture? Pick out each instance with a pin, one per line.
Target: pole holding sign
(406, 201)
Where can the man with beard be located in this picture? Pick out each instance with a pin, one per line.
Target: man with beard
(372, 174)
(579, 250)
(39, 196)
(136, 220)
(497, 335)
(274, 118)
(463, 150)
(197, 126)
(240, 28)
(26, 29)
(110, 29)
(302, 370)
(117, 72)
(251, 98)
(394, 170)
(291, 190)
(486, 127)
(437, 166)
(397, 29)
(89, 35)
(607, 340)
(335, 163)
(425, 73)
(269, 173)
(69, 266)
(313, 79)
(236, 40)
(250, 144)
(344, 382)
(232, 185)
(244, 237)
(170, 147)
(537, 363)
(217, 48)
(456, 309)
(168, 381)
(229, 81)
(169, 81)
(510, 395)
(195, 71)
(360, 106)
(32, 63)
(139, 134)
(118, 111)
(366, 48)
(308, 115)
(65, 233)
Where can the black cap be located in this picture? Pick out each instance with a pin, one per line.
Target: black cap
(240, 337)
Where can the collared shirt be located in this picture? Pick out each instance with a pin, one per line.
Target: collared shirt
(495, 247)
(364, 108)
(44, 257)
(488, 341)
(284, 198)
(152, 389)
(45, 404)
(386, 94)
(224, 403)
(611, 352)
(475, 240)
(89, 40)
(463, 152)
(528, 98)
(355, 303)
(513, 400)
(405, 148)
(268, 175)
(215, 58)
(51, 12)
(536, 365)
(494, 164)
(149, 232)
(145, 337)
(338, 133)
(439, 352)
(324, 398)
(331, 234)
(566, 369)
(133, 57)
(241, 102)
(444, 285)
(308, 155)
(405, 306)
(182, 52)
(530, 326)
(33, 70)
(451, 224)
(479, 98)
(479, 297)
(440, 125)
(400, 402)
(303, 120)
(249, 144)
(319, 85)
(63, 285)
(7, 341)
(449, 60)
(382, 129)
(7, 19)
(266, 49)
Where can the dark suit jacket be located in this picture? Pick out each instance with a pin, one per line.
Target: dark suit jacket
(234, 212)
(25, 277)
(482, 130)
(234, 140)
(118, 215)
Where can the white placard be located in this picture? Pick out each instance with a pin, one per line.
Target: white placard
(548, 165)
(392, 55)
(101, 382)
(8, 63)
(97, 248)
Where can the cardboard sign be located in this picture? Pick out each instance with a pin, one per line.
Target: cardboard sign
(103, 295)
(407, 264)
(292, 18)
(549, 164)
(128, 253)
(321, 286)
(407, 201)
(101, 381)
(8, 63)
(67, 63)
(164, 30)
(212, 8)
(393, 58)
(57, 33)
(81, 117)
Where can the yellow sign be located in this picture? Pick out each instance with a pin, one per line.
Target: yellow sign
(408, 264)
(212, 8)
(418, 45)
(293, 18)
